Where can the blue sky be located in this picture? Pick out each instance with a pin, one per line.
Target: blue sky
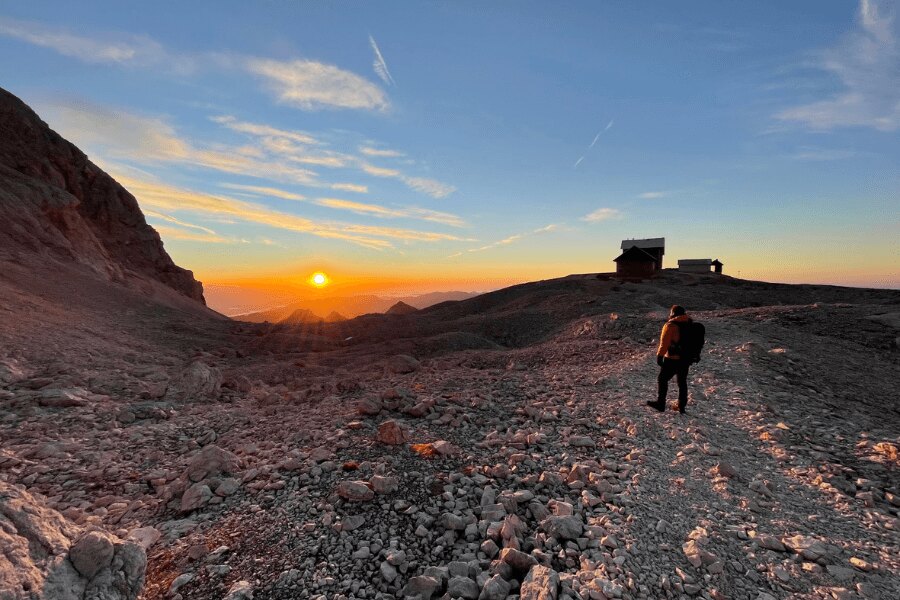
(484, 143)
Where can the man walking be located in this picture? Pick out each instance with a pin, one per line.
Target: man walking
(674, 358)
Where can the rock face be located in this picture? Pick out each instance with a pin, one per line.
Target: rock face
(46, 557)
(54, 200)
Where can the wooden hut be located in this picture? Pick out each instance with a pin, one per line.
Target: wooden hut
(655, 247)
(635, 263)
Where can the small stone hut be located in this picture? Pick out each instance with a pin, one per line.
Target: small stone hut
(699, 265)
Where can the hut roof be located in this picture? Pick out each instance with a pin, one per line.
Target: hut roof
(647, 243)
(635, 254)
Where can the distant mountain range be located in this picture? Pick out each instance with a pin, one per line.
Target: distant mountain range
(339, 307)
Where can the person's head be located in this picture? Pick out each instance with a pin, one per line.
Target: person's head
(676, 311)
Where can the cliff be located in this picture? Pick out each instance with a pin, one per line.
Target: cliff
(55, 202)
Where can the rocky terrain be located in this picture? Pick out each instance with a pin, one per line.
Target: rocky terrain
(497, 447)
(493, 448)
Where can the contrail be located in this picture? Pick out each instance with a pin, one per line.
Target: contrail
(578, 162)
(381, 68)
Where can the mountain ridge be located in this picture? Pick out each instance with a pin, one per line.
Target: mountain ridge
(58, 204)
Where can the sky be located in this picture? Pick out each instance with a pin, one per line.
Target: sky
(417, 146)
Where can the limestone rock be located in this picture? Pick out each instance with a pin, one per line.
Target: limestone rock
(495, 588)
(517, 559)
(92, 552)
(384, 485)
(355, 491)
(241, 590)
(45, 553)
(462, 587)
(195, 497)
(210, 462)
(421, 587)
(542, 583)
(567, 527)
(198, 381)
(391, 433)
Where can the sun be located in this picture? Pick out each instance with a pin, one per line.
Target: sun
(319, 279)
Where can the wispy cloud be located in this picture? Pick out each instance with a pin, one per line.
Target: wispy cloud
(304, 84)
(163, 197)
(865, 62)
(381, 68)
(179, 222)
(173, 233)
(350, 187)
(513, 238)
(264, 191)
(381, 171)
(286, 156)
(369, 151)
(432, 187)
(578, 162)
(121, 135)
(128, 50)
(311, 85)
(653, 195)
(376, 210)
(602, 214)
(265, 131)
(361, 208)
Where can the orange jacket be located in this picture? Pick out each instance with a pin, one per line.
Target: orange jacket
(670, 335)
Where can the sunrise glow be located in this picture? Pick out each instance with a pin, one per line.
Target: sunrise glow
(319, 279)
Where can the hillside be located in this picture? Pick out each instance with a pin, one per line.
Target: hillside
(490, 447)
(56, 205)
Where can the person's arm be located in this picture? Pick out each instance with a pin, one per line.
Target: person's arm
(665, 340)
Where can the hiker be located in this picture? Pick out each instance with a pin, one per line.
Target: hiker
(679, 347)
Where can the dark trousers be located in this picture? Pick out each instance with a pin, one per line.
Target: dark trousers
(679, 368)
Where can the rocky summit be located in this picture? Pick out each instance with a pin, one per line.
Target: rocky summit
(496, 447)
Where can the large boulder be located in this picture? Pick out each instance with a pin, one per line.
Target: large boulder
(568, 527)
(542, 583)
(197, 381)
(43, 556)
(212, 461)
(391, 433)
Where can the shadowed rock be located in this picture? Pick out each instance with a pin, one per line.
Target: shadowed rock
(46, 557)
(54, 200)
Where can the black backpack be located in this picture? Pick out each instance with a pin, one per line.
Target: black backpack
(692, 336)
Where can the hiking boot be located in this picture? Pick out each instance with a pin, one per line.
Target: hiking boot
(659, 407)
